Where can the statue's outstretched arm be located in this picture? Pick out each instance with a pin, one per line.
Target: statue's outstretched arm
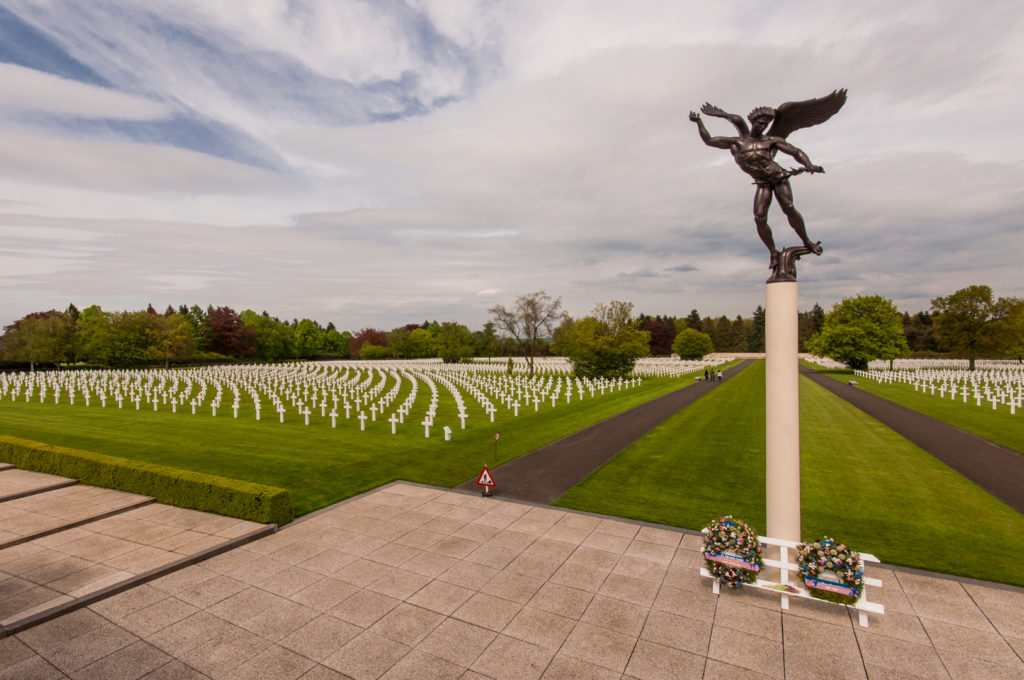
(717, 142)
(800, 156)
(735, 119)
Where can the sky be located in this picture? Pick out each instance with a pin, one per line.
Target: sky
(386, 162)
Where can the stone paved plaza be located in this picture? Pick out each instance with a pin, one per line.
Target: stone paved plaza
(409, 581)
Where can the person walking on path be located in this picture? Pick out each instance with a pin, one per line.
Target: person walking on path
(705, 374)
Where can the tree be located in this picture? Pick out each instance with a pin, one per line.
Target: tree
(337, 343)
(367, 336)
(200, 322)
(662, 335)
(131, 339)
(96, 330)
(561, 336)
(971, 324)
(309, 340)
(608, 343)
(455, 342)
(227, 334)
(755, 336)
(692, 344)
(919, 332)
(272, 340)
(172, 338)
(398, 341)
(369, 351)
(693, 320)
(40, 337)
(485, 342)
(860, 329)
(532, 315)
(738, 335)
(809, 323)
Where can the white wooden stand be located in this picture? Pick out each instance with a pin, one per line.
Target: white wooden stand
(786, 588)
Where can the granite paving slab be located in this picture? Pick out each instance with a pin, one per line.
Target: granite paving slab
(17, 483)
(65, 567)
(328, 597)
(40, 514)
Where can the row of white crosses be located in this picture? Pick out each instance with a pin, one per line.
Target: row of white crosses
(996, 387)
(311, 389)
(992, 383)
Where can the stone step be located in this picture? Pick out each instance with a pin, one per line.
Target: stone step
(66, 568)
(15, 483)
(38, 515)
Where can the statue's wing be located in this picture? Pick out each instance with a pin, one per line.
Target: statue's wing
(792, 116)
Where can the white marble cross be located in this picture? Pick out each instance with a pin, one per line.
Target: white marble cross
(447, 433)
(362, 421)
(334, 418)
(393, 419)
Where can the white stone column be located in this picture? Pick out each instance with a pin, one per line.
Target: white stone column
(782, 417)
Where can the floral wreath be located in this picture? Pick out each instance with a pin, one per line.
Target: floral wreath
(831, 571)
(732, 553)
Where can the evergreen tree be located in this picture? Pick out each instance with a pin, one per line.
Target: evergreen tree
(755, 337)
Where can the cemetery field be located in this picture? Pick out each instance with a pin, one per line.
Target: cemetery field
(316, 463)
(997, 425)
(861, 483)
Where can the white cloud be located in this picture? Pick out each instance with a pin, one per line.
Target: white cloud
(123, 166)
(31, 91)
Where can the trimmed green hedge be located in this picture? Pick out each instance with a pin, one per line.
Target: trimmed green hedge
(184, 488)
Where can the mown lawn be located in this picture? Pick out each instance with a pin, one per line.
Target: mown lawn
(995, 425)
(861, 483)
(317, 464)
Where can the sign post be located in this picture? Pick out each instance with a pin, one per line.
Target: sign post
(486, 481)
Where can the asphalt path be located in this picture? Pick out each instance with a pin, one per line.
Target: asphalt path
(995, 468)
(545, 474)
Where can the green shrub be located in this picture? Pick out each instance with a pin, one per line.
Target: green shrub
(231, 497)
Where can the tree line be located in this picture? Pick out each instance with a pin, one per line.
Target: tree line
(191, 334)
(970, 323)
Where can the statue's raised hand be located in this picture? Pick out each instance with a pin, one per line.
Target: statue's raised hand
(712, 110)
(694, 116)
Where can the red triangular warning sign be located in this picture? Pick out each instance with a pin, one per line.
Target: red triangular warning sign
(485, 478)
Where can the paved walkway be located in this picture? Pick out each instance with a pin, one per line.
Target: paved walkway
(995, 468)
(547, 473)
(409, 581)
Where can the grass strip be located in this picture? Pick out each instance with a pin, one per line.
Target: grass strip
(995, 425)
(318, 465)
(860, 483)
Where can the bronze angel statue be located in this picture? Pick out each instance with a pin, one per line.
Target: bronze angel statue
(754, 151)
